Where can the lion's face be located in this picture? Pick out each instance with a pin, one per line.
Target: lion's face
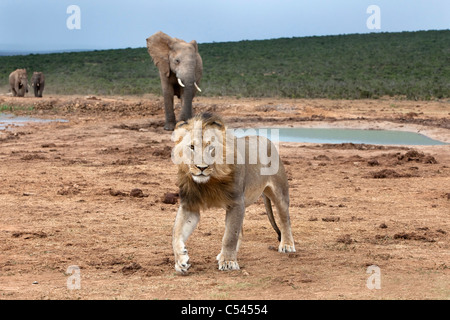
(200, 148)
(201, 171)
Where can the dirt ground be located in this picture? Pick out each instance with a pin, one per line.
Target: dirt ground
(90, 193)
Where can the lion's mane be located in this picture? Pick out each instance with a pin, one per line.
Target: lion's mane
(219, 191)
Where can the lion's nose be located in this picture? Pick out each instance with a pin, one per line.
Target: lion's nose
(201, 168)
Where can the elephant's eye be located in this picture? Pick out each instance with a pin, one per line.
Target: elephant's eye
(177, 61)
(192, 147)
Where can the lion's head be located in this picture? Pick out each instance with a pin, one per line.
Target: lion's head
(204, 176)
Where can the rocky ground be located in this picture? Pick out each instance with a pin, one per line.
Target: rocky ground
(98, 192)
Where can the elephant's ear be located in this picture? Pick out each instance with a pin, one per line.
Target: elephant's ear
(194, 43)
(158, 46)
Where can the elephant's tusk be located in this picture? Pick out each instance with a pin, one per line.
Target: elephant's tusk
(199, 90)
(180, 83)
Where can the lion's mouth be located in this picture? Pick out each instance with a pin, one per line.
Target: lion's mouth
(200, 178)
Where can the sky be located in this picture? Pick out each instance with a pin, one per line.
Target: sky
(49, 25)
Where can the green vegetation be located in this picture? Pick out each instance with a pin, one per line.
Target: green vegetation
(8, 108)
(414, 65)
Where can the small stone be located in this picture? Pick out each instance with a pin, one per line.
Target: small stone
(170, 198)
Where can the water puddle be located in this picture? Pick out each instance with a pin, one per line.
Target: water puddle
(7, 120)
(335, 136)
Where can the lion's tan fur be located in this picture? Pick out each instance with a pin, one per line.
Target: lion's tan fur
(232, 186)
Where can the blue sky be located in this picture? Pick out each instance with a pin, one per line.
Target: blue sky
(33, 25)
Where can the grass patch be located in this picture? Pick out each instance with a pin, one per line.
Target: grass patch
(8, 108)
(412, 65)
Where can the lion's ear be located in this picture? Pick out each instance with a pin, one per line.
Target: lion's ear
(180, 124)
(218, 123)
(158, 46)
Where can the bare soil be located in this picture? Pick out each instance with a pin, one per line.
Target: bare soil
(98, 192)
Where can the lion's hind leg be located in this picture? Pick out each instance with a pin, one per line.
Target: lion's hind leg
(280, 198)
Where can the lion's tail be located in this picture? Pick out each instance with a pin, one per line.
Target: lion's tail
(269, 211)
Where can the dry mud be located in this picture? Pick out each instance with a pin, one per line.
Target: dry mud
(99, 193)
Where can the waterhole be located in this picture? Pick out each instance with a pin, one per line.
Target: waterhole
(7, 120)
(335, 136)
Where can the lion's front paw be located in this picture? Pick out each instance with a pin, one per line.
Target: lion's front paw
(226, 264)
(286, 248)
(182, 262)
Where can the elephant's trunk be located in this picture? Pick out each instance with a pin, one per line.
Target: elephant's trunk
(186, 102)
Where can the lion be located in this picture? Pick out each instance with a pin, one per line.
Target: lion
(214, 171)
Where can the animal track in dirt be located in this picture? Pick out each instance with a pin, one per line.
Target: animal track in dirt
(29, 235)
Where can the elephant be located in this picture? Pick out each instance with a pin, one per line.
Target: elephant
(18, 81)
(180, 70)
(38, 83)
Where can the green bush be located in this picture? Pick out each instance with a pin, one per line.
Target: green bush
(414, 65)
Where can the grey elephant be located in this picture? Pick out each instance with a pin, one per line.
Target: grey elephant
(180, 69)
(18, 81)
(38, 83)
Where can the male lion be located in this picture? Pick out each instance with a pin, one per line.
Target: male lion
(214, 171)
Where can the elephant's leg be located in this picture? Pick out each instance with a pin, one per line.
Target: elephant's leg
(41, 89)
(36, 90)
(170, 113)
(168, 93)
(21, 92)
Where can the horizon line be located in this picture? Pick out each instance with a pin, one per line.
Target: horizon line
(22, 52)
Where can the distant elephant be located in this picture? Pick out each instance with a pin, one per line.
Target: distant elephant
(180, 69)
(18, 81)
(38, 83)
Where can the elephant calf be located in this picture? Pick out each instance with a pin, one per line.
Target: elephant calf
(38, 83)
(18, 81)
(180, 70)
